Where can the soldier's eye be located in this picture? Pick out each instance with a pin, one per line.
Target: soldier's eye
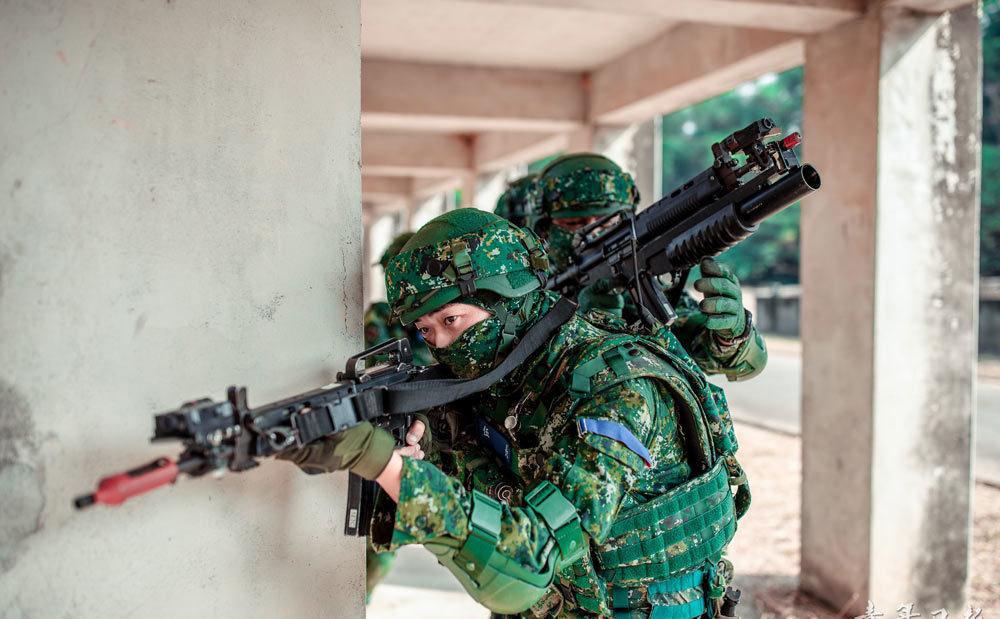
(450, 320)
(423, 330)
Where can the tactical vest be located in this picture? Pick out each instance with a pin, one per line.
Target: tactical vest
(667, 552)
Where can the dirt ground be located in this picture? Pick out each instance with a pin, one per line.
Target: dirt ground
(766, 548)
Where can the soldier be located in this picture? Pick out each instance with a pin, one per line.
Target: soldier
(621, 453)
(577, 189)
(514, 204)
(379, 326)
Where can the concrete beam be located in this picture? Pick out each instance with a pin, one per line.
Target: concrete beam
(385, 188)
(425, 187)
(805, 16)
(430, 97)
(703, 61)
(496, 151)
(928, 6)
(420, 155)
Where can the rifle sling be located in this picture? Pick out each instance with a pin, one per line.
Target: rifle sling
(427, 391)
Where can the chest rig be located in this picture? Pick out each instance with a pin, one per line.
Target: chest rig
(660, 552)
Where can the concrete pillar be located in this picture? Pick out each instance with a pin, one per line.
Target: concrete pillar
(173, 222)
(638, 149)
(580, 139)
(468, 190)
(889, 272)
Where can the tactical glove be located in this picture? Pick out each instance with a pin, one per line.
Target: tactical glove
(364, 449)
(601, 295)
(723, 302)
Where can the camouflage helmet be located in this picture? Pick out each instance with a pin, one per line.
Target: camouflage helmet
(584, 185)
(393, 248)
(515, 203)
(459, 253)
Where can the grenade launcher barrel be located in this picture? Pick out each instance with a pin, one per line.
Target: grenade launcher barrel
(754, 176)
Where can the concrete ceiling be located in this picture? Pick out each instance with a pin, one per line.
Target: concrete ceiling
(488, 34)
(452, 88)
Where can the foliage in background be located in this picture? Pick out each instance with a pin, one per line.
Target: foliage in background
(772, 253)
(990, 223)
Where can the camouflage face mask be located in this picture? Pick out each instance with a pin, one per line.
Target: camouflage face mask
(474, 352)
(481, 347)
(560, 245)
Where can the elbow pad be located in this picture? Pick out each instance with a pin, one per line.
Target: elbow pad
(498, 582)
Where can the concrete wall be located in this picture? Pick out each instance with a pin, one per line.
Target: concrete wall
(180, 197)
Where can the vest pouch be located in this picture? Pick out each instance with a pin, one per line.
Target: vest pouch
(675, 533)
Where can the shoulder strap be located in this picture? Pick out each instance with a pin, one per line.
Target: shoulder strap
(428, 390)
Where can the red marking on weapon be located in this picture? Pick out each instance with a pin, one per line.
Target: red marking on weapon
(792, 140)
(115, 489)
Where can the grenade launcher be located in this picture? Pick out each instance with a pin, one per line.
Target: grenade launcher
(650, 254)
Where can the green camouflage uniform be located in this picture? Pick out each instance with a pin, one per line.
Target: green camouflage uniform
(379, 327)
(588, 185)
(514, 204)
(601, 479)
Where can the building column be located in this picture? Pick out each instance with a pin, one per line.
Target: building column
(638, 150)
(468, 189)
(889, 273)
(172, 225)
(580, 139)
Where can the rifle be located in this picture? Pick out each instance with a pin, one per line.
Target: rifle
(705, 216)
(230, 435)
(217, 436)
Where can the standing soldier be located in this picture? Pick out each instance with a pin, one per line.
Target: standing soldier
(379, 326)
(622, 454)
(578, 189)
(514, 204)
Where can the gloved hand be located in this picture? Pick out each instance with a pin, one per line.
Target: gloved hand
(723, 302)
(601, 295)
(364, 449)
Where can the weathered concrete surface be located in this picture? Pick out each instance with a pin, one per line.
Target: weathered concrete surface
(889, 269)
(180, 197)
(638, 149)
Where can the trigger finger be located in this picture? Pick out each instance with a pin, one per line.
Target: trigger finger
(415, 433)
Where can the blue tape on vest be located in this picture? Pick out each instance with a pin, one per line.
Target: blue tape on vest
(492, 438)
(616, 431)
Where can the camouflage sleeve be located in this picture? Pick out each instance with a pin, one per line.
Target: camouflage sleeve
(742, 359)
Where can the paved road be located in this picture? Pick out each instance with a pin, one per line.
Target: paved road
(774, 399)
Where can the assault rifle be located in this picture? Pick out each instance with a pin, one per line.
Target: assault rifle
(650, 254)
(229, 435)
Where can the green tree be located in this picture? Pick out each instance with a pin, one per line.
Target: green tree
(990, 223)
(772, 253)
